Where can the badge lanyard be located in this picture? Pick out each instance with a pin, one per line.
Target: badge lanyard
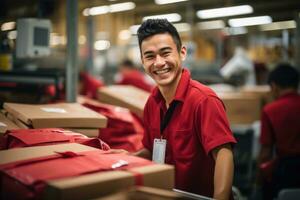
(166, 119)
(159, 145)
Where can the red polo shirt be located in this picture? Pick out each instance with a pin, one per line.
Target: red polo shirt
(197, 126)
(280, 125)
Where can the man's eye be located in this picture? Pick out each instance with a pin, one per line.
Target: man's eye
(166, 53)
(148, 57)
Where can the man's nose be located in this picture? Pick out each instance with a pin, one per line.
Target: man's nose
(159, 61)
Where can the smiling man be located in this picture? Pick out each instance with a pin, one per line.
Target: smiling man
(186, 124)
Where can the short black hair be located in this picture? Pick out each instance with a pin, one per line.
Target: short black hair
(156, 26)
(285, 76)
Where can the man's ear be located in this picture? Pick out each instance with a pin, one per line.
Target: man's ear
(275, 89)
(273, 86)
(183, 53)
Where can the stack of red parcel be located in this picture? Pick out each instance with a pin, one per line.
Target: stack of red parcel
(74, 171)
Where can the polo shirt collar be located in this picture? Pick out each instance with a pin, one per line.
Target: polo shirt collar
(180, 91)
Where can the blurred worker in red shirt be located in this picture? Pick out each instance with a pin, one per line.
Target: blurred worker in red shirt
(280, 131)
(130, 75)
(89, 85)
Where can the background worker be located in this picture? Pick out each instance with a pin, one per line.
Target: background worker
(280, 133)
(130, 75)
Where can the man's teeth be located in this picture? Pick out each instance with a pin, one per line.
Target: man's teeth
(162, 71)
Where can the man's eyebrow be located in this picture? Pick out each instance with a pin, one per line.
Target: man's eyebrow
(165, 49)
(160, 50)
(147, 52)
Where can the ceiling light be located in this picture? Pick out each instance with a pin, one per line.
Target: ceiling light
(250, 21)
(223, 12)
(182, 27)
(8, 26)
(279, 25)
(235, 30)
(100, 10)
(172, 17)
(216, 24)
(101, 45)
(124, 34)
(121, 7)
(168, 1)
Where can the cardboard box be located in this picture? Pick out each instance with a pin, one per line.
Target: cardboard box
(260, 91)
(61, 115)
(91, 185)
(6, 124)
(18, 122)
(241, 108)
(90, 132)
(13, 155)
(103, 183)
(125, 96)
(148, 193)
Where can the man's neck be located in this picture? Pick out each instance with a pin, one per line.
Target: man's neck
(168, 92)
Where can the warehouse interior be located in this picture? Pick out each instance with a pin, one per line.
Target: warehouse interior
(62, 52)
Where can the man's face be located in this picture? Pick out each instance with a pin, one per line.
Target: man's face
(161, 59)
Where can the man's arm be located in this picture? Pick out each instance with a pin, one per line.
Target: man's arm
(223, 174)
(144, 153)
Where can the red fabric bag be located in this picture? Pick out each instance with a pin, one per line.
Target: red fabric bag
(47, 136)
(89, 85)
(124, 129)
(26, 179)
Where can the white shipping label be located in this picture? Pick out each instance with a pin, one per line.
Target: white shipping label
(55, 110)
(2, 124)
(159, 151)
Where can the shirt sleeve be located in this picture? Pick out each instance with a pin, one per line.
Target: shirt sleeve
(213, 124)
(266, 136)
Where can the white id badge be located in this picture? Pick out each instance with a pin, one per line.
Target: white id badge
(159, 151)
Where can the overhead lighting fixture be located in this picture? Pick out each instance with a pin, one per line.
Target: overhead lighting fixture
(182, 27)
(119, 7)
(208, 25)
(250, 21)
(172, 17)
(100, 10)
(124, 34)
(8, 26)
(168, 1)
(235, 30)
(279, 25)
(223, 12)
(101, 45)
